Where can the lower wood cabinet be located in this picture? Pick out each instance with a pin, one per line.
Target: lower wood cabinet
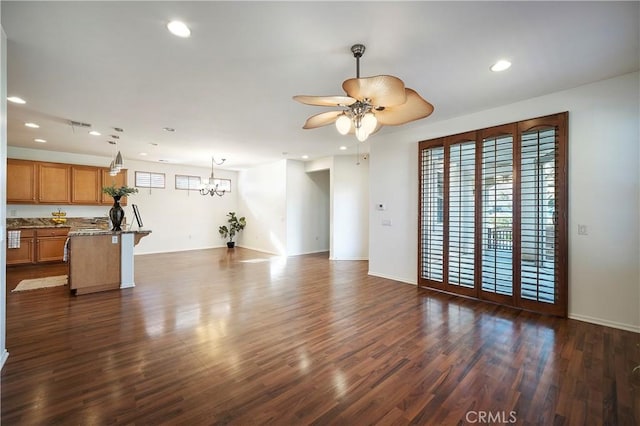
(38, 245)
(26, 252)
(50, 244)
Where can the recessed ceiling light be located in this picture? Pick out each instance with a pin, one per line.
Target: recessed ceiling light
(342, 148)
(168, 129)
(501, 65)
(179, 29)
(16, 100)
(94, 133)
(40, 140)
(32, 125)
(143, 154)
(305, 157)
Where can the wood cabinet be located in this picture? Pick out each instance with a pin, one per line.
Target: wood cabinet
(21, 181)
(94, 263)
(50, 244)
(54, 183)
(118, 180)
(37, 182)
(38, 245)
(85, 185)
(26, 252)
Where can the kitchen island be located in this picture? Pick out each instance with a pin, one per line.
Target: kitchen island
(101, 260)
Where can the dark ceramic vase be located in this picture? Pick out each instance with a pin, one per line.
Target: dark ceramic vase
(231, 244)
(116, 214)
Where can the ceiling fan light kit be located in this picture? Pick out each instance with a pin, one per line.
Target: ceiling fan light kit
(371, 102)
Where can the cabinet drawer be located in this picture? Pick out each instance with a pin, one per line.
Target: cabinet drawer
(24, 233)
(52, 232)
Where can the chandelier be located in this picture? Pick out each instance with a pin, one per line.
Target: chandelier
(211, 187)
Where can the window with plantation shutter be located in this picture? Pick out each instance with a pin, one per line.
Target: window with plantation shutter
(432, 166)
(461, 214)
(190, 183)
(493, 213)
(497, 214)
(150, 180)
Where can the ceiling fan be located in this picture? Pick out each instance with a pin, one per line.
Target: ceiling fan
(371, 102)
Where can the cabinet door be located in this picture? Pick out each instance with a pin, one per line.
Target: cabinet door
(24, 254)
(118, 180)
(50, 249)
(85, 185)
(50, 244)
(21, 182)
(54, 183)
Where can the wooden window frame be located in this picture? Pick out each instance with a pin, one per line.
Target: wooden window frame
(560, 123)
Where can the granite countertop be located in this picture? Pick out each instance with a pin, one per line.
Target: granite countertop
(78, 226)
(73, 223)
(83, 232)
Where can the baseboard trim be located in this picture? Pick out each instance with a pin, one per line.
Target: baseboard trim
(349, 258)
(390, 277)
(3, 358)
(606, 323)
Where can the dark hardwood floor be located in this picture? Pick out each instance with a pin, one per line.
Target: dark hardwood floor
(240, 337)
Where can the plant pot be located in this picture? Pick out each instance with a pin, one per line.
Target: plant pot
(231, 244)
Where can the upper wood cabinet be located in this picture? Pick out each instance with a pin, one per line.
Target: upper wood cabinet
(38, 182)
(54, 183)
(21, 181)
(118, 180)
(85, 185)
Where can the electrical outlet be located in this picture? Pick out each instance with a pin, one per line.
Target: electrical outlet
(114, 239)
(582, 230)
(386, 222)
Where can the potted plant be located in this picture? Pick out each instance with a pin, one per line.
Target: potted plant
(122, 191)
(236, 225)
(116, 214)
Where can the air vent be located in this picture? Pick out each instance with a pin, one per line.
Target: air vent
(79, 124)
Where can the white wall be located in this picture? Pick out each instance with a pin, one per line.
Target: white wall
(263, 201)
(604, 194)
(307, 209)
(3, 194)
(350, 207)
(179, 220)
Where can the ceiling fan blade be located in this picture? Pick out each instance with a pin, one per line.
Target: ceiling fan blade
(414, 108)
(321, 119)
(381, 90)
(325, 100)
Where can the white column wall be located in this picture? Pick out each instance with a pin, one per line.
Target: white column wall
(3, 195)
(604, 194)
(350, 207)
(263, 201)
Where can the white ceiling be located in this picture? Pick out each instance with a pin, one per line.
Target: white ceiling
(227, 89)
